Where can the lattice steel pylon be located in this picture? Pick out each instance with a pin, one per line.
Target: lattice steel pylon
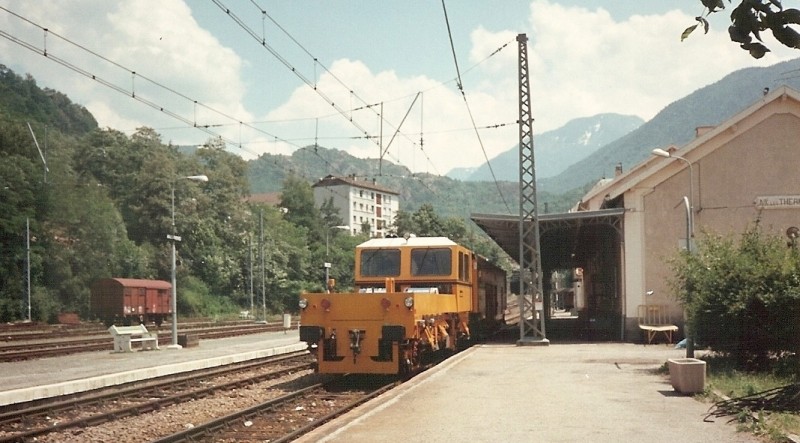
(531, 302)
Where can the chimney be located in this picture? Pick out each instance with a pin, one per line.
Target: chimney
(701, 130)
(618, 170)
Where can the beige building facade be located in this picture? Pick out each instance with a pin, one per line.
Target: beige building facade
(736, 174)
(618, 240)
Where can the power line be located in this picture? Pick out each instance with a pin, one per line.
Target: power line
(262, 41)
(191, 123)
(469, 111)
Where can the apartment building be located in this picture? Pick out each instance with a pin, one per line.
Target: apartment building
(361, 203)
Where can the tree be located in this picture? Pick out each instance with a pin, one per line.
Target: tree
(742, 298)
(330, 213)
(298, 199)
(749, 19)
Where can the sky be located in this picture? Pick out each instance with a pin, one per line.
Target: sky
(276, 76)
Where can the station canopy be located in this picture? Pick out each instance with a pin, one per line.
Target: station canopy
(555, 230)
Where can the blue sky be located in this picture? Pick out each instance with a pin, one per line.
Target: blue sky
(586, 57)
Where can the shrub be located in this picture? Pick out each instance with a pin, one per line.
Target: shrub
(742, 298)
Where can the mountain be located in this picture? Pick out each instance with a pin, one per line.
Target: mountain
(462, 174)
(556, 150)
(676, 124)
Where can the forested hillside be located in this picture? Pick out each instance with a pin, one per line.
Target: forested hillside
(104, 205)
(676, 123)
(450, 197)
(104, 208)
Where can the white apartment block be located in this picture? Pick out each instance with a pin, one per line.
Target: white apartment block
(359, 202)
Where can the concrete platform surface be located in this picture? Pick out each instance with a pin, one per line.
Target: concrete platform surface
(556, 393)
(33, 379)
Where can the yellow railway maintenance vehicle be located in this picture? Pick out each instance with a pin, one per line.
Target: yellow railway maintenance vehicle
(413, 298)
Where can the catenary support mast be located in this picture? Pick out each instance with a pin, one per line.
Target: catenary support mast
(531, 302)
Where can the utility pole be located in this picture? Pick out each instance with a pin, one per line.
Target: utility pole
(250, 248)
(531, 300)
(263, 269)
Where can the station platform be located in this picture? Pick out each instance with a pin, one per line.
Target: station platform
(559, 393)
(608, 392)
(47, 377)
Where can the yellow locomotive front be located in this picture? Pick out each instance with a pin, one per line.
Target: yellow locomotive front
(413, 298)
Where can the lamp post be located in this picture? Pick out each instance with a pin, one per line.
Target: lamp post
(689, 204)
(327, 265)
(327, 232)
(176, 238)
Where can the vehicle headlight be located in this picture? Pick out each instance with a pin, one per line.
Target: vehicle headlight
(303, 303)
(409, 302)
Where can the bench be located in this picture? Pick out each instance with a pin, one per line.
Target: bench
(124, 336)
(655, 319)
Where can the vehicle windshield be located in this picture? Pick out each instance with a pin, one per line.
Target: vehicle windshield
(380, 262)
(431, 262)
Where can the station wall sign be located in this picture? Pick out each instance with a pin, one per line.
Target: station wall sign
(778, 202)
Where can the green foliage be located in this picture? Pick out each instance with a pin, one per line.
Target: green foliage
(297, 198)
(22, 100)
(742, 298)
(749, 19)
(195, 300)
(45, 305)
(105, 208)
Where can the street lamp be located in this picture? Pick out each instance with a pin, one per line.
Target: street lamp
(689, 204)
(176, 238)
(327, 265)
(327, 232)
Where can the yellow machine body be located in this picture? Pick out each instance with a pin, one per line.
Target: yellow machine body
(414, 297)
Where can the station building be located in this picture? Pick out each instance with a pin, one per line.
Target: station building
(618, 239)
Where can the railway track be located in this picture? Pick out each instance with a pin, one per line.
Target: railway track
(42, 419)
(20, 332)
(288, 417)
(101, 340)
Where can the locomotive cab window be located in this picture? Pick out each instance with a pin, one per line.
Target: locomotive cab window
(464, 266)
(431, 261)
(380, 262)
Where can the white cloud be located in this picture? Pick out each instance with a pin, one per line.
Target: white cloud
(582, 62)
(159, 40)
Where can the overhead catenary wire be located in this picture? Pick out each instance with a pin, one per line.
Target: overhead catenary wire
(312, 84)
(234, 120)
(133, 89)
(110, 85)
(262, 42)
(469, 111)
(191, 123)
(124, 91)
(131, 93)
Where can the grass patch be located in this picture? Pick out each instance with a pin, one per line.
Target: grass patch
(748, 390)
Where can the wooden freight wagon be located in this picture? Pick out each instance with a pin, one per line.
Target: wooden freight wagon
(129, 301)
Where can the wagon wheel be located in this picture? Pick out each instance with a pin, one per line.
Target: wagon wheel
(410, 358)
